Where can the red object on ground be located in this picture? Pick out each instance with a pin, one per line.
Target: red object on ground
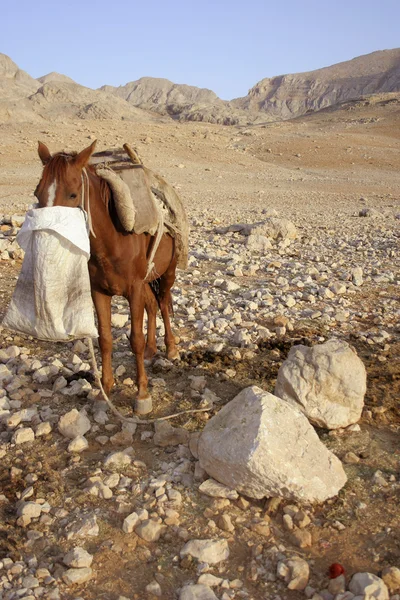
(335, 570)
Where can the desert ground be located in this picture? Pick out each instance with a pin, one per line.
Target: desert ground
(335, 176)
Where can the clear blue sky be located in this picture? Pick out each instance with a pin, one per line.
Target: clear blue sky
(224, 46)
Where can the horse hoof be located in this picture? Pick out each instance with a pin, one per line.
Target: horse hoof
(143, 406)
(174, 355)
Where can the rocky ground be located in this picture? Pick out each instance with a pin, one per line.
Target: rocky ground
(295, 233)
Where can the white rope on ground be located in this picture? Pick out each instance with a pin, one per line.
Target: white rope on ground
(116, 411)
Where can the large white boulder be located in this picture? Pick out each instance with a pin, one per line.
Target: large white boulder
(261, 446)
(327, 382)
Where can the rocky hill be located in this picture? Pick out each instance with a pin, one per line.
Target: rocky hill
(288, 96)
(53, 76)
(14, 83)
(56, 97)
(180, 101)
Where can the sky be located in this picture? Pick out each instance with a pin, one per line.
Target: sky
(223, 46)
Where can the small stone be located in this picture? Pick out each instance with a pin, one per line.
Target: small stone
(78, 444)
(295, 571)
(224, 522)
(29, 509)
(209, 580)
(78, 558)
(118, 460)
(197, 592)
(77, 576)
(213, 488)
(23, 435)
(73, 423)
(302, 538)
(150, 530)
(130, 522)
(350, 458)
(368, 585)
(391, 577)
(154, 589)
(337, 585)
(43, 429)
(208, 551)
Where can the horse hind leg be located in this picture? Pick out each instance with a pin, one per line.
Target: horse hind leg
(143, 403)
(151, 310)
(167, 280)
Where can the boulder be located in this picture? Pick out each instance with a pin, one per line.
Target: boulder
(262, 446)
(327, 382)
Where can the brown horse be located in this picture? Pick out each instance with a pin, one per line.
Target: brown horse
(118, 262)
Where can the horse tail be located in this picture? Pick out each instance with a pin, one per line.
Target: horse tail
(155, 287)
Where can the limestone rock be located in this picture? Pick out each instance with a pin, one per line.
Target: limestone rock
(391, 577)
(78, 444)
(245, 446)
(78, 558)
(213, 488)
(197, 592)
(327, 382)
(295, 571)
(208, 551)
(367, 584)
(73, 423)
(77, 576)
(150, 530)
(25, 434)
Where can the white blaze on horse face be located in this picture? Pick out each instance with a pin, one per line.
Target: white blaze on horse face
(51, 193)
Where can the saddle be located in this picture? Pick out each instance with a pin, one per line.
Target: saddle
(144, 202)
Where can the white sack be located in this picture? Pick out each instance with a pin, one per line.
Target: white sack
(52, 299)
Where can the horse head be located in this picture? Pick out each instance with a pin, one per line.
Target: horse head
(61, 182)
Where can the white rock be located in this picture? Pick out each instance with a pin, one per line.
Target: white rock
(130, 522)
(78, 444)
(327, 382)
(197, 592)
(118, 320)
(295, 571)
(154, 589)
(210, 580)
(25, 434)
(391, 577)
(118, 460)
(208, 551)
(29, 509)
(245, 446)
(77, 576)
(78, 558)
(73, 423)
(213, 488)
(367, 584)
(150, 530)
(43, 429)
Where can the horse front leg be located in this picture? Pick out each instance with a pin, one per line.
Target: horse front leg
(102, 304)
(143, 403)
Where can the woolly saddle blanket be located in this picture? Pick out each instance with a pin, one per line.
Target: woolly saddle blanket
(144, 202)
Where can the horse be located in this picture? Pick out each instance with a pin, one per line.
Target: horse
(118, 262)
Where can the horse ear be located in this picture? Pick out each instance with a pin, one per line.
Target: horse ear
(82, 159)
(44, 153)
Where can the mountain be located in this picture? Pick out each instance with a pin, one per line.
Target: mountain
(14, 83)
(180, 101)
(56, 97)
(53, 76)
(288, 96)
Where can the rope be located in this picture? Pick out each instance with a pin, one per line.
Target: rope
(89, 216)
(116, 411)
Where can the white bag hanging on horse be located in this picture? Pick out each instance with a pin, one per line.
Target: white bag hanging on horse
(52, 299)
